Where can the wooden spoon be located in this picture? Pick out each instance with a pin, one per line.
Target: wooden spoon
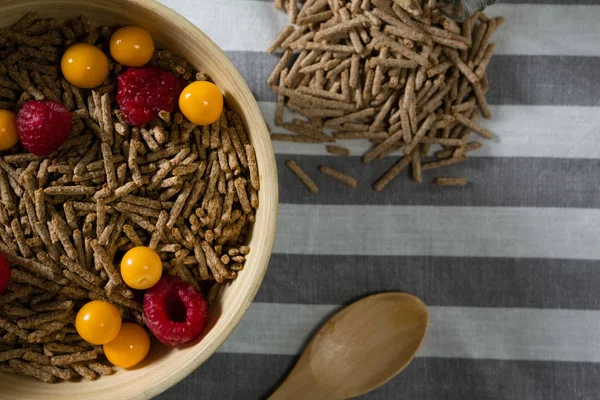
(359, 349)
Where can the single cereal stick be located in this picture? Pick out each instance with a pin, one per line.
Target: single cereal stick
(392, 63)
(281, 65)
(125, 189)
(340, 151)
(383, 113)
(439, 69)
(106, 263)
(69, 191)
(476, 41)
(158, 234)
(403, 30)
(406, 126)
(109, 166)
(132, 235)
(416, 165)
(228, 202)
(36, 357)
(485, 60)
(463, 107)
(239, 149)
(12, 354)
(215, 134)
(280, 106)
(140, 221)
(16, 311)
(314, 18)
(33, 322)
(450, 181)
(308, 130)
(105, 119)
(443, 163)
(14, 329)
(100, 368)
(53, 306)
(69, 359)
(462, 67)
(61, 373)
(310, 184)
(179, 204)
(193, 198)
(321, 93)
(253, 167)
(425, 126)
(150, 140)
(293, 10)
(39, 269)
(280, 38)
(131, 208)
(100, 217)
(6, 193)
(448, 153)
(20, 238)
(29, 369)
(63, 233)
(240, 187)
(253, 199)
(474, 126)
(76, 268)
(214, 262)
(142, 201)
(392, 173)
(361, 135)
(354, 71)
(443, 141)
(24, 22)
(348, 180)
(63, 348)
(358, 115)
(125, 302)
(312, 102)
(212, 182)
(491, 28)
(69, 213)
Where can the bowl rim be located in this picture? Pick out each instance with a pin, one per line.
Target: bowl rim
(269, 208)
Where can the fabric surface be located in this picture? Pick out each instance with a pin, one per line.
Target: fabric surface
(508, 265)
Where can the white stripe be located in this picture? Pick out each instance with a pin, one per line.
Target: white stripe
(237, 25)
(564, 233)
(523, 131)
(458, 332)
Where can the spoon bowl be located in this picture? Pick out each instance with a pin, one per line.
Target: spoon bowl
(359, 349)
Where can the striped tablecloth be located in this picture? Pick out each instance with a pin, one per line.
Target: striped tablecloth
(509, 265)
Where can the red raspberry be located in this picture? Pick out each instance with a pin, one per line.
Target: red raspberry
(143, 92)
(4, 273)
(43, 126)
(174, 311)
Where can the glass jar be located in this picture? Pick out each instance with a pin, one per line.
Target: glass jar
(460, 10)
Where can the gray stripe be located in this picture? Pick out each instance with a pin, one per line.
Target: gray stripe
(254, 376)
(476, 282)
(507, 182)
(454, 332)
(543, 80)
(568, 233)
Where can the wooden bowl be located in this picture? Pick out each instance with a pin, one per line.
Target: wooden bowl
(164, 367)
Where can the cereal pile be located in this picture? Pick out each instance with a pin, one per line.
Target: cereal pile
(398, 73)
(187, 192)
